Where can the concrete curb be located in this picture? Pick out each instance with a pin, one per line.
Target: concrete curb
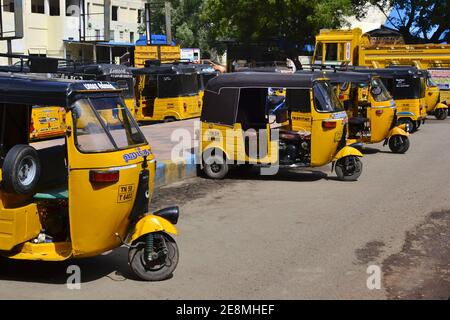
(168, 172)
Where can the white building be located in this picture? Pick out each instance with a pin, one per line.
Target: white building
(373, 20)
(52, 28)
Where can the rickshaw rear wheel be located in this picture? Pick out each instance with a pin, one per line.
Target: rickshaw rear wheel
(399, 144)
(349, 168)
(411, 126)
(164, 258)
(21, 170)
(215, 167)
(169, 119)
(441, 114)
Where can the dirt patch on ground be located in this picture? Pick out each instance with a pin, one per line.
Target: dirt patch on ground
(181, 193)
(369, 252)
(422, 269)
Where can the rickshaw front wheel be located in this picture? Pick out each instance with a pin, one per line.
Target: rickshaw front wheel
(349, 168)
(157, 265)
(441, 114)
(399, 144)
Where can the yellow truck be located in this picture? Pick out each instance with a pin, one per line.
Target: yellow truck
(163, 53)
(353, 47)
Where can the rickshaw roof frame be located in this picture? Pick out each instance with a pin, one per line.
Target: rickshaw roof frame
(101, 69)
(349, 76)
(221, 107)
(392, 72)
(262, 80)
(35, 89)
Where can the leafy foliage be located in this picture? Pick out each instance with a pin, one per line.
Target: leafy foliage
(417, 20)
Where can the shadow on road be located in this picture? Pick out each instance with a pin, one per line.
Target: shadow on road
(282, 175)
(113, 265)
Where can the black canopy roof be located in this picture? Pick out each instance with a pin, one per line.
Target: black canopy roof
(167, 68)
(392, 72)
(103, 69)
(344, 76)
(39, 90)
(262, 80)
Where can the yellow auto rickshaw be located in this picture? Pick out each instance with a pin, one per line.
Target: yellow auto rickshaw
(371, 110)
(433, 98)
(166, 92)
(308, 131)
(86, 196)
(407, 87)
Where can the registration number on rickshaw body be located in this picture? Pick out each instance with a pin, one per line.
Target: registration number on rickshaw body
(125, 193)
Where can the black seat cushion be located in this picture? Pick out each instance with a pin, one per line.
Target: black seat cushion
(357, 121)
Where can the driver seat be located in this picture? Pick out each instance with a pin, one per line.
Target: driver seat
(357, 121)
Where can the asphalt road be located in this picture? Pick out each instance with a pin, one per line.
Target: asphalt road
(298, 235)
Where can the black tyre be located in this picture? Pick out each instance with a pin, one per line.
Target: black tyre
(21, 170)
(215, 167)
(349, 168)
(411, 126)
(441, 114)
(399, 144)
(164, 260)
(170, 119)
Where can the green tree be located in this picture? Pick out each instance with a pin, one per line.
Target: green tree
(419, 21)
(297, 21)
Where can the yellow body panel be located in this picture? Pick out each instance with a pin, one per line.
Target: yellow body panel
(150, 224)
(164, 53)
(324, 142)
(399, 131)
(160, 109)
(432, 98)
(346, 152)
(445, 97)
(110, 215)
(381, 115)
(58, 251)
(230, 139)
(19, 221)
(410, 108)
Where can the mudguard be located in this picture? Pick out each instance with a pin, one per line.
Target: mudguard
(441, 105)
(399, 130)
(347, 151)
(151, 223)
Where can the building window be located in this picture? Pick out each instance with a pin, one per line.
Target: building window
(111, 35)
(97, 34)
(54, 7)
(37, 6)
(114, 13)
(131, 37)
(139, 17)
(72, 8)
(8, 5)
(121, 35)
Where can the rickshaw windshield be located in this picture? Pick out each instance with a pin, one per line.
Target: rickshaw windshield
(325, 99)
(430, 81)
(379, 92)
(104, 124)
